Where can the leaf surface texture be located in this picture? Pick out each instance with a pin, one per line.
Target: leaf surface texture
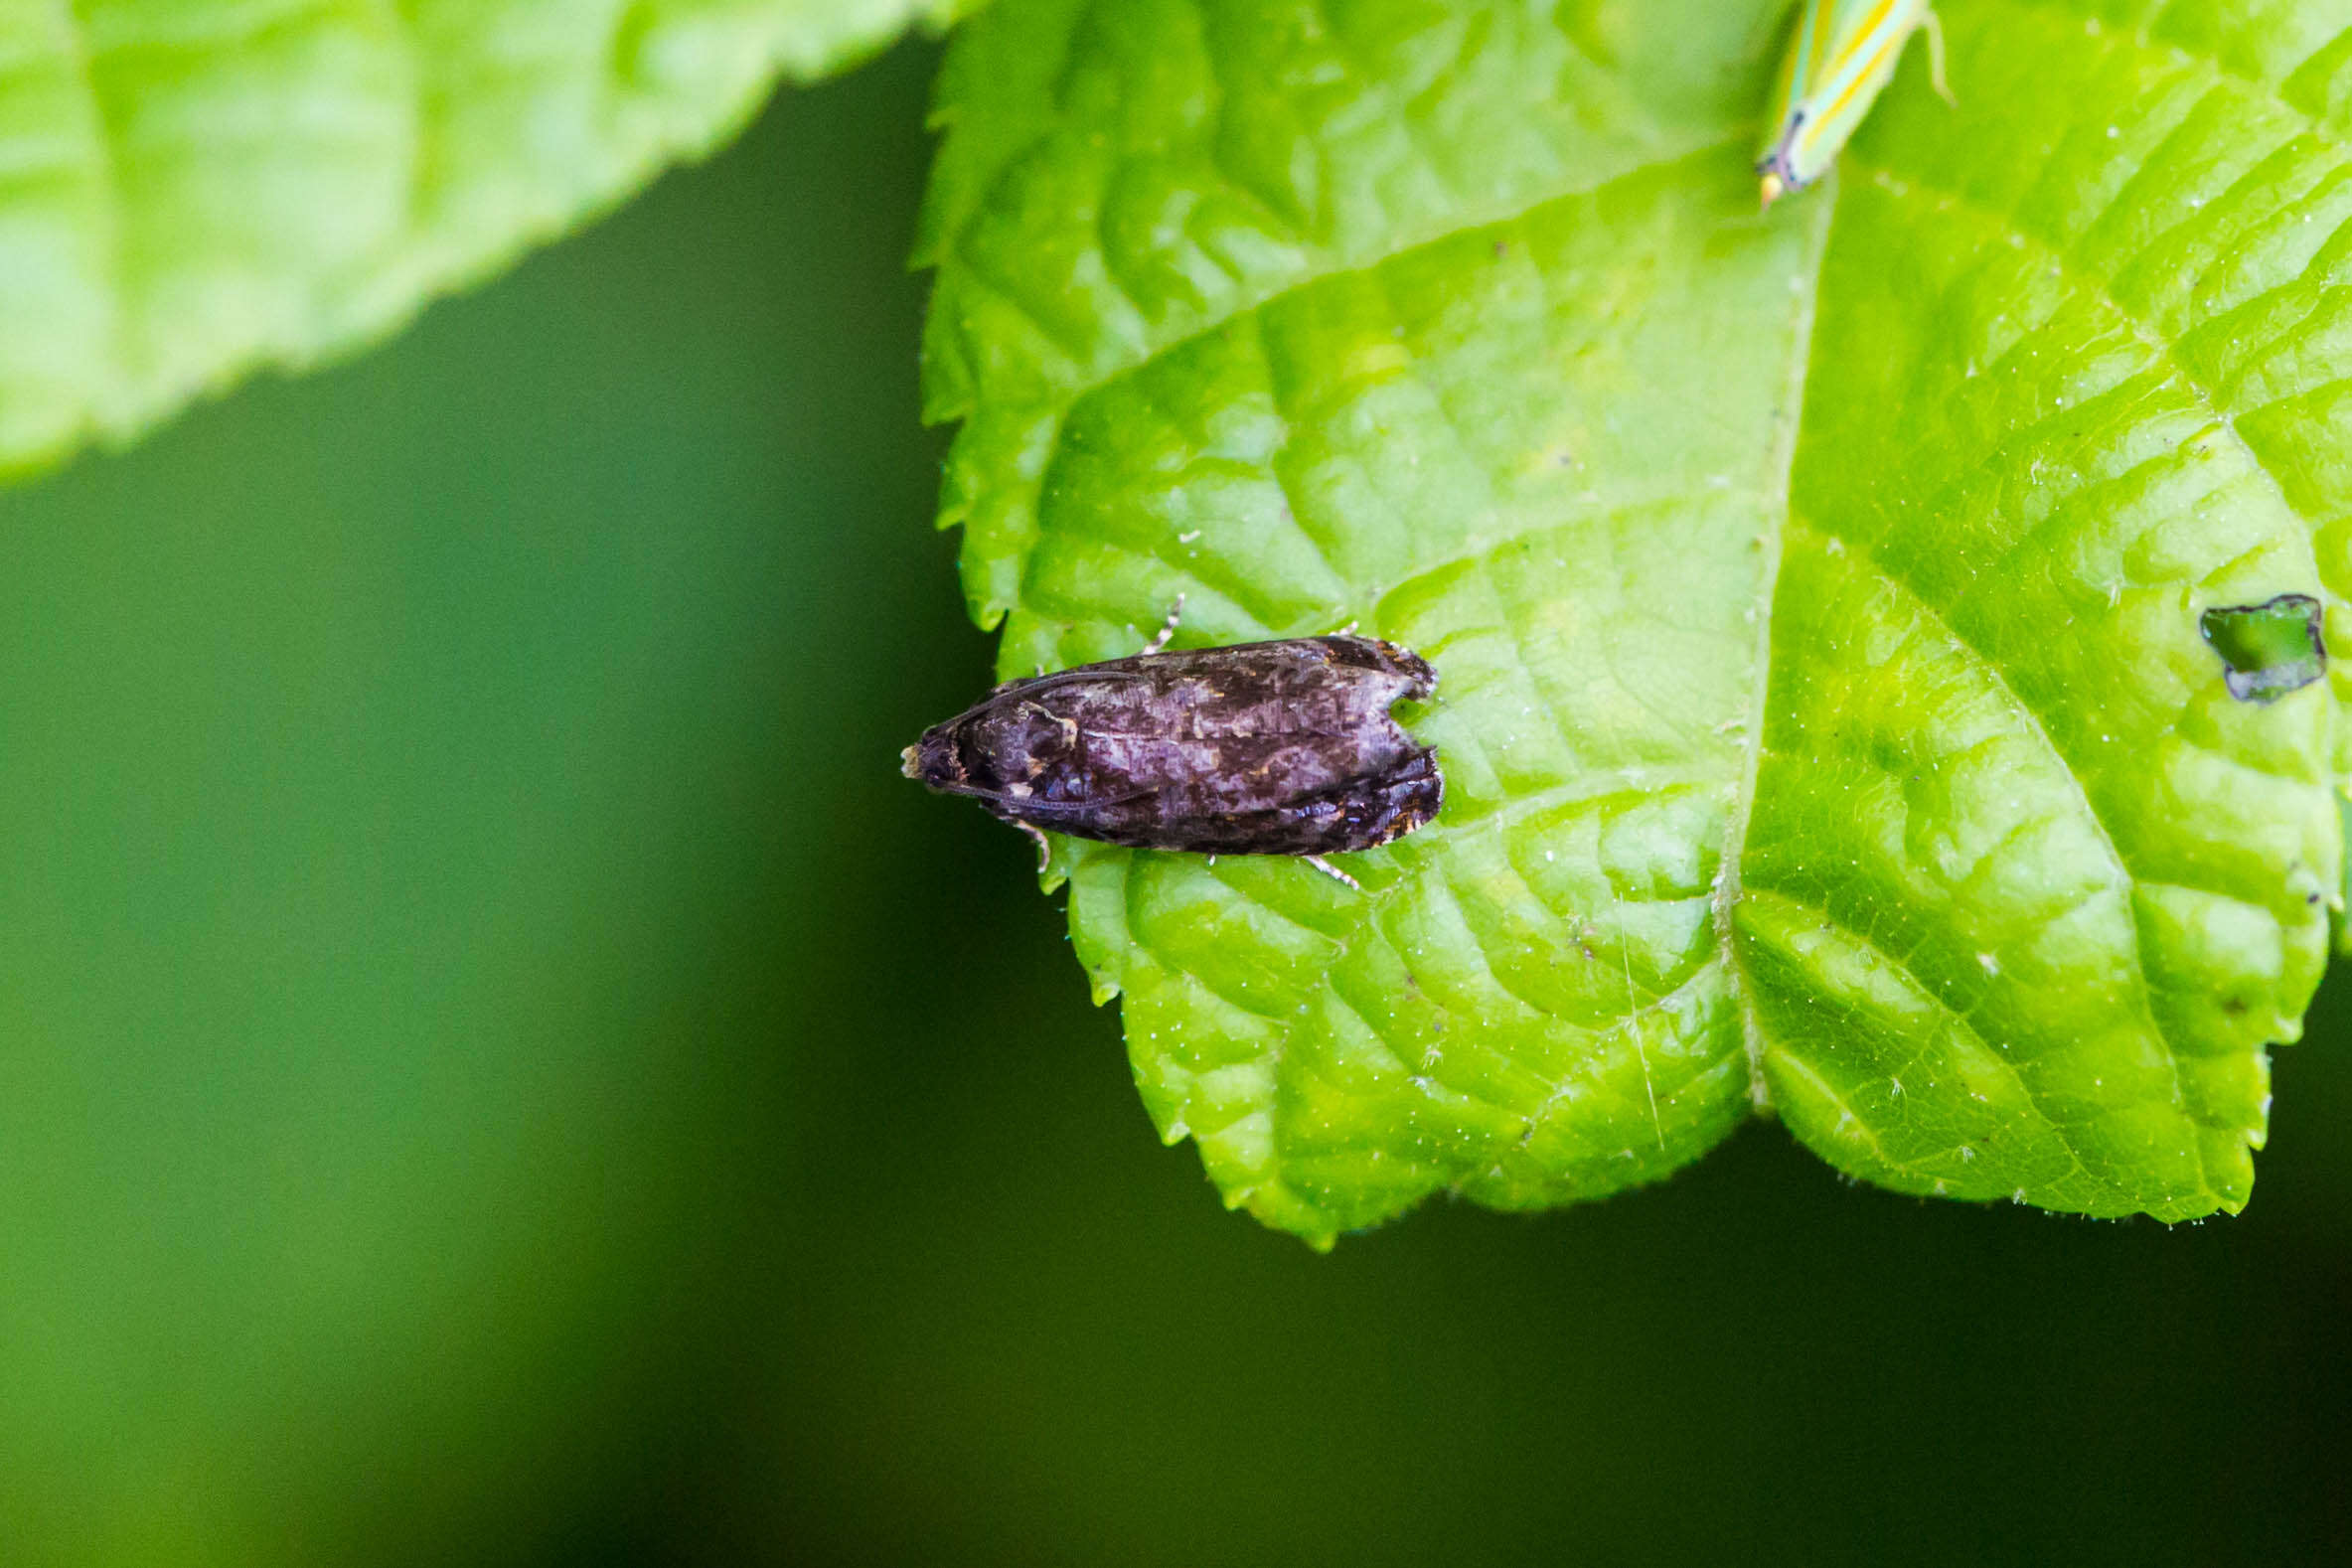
(1825, 720)
(190, 189)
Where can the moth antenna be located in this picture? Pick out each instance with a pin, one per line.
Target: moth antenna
(1330, 870)
(1175, 613)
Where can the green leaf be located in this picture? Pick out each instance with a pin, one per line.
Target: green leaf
(1826, 722)
(190, 189)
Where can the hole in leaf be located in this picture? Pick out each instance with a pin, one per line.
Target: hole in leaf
(2269, 649)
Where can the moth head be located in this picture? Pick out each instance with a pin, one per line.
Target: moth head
(934, 760)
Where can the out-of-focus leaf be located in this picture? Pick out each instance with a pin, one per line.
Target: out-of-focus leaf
(190, 189)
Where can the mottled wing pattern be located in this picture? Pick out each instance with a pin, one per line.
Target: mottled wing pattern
(1267, 748)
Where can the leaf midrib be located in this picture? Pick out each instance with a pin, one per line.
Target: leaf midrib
(1804, 305)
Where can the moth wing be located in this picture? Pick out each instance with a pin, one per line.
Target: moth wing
(1033, 809)
(1076, 675)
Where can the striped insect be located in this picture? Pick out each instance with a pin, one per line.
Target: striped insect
(1842, 54)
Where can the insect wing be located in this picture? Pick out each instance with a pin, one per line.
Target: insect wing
(1283, 748)
(1840, 56)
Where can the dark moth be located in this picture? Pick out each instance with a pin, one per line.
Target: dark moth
(1261, 748)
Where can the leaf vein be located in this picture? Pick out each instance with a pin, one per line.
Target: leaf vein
(1998, 675)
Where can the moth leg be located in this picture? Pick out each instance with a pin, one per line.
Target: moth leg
(1175, 613)
(1330, 870)
(1044, 844)
(1932, 25)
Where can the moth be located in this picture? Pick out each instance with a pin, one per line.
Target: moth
(1841, 56)
(1259, 748)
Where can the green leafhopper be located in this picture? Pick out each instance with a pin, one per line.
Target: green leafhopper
(1843, 52)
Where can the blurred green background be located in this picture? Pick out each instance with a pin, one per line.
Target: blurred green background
(496, 1067)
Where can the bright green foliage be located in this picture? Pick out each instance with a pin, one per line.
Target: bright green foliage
(190, 188)
(1825, 720)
